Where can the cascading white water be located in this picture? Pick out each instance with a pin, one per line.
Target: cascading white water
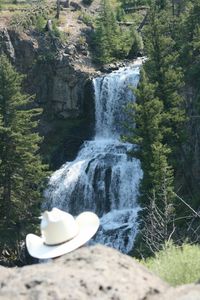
(103, 178)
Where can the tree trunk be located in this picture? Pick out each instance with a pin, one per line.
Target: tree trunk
(58, 9)
(7, 195)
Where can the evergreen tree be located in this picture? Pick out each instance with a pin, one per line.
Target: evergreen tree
(188, 42)
(156, 190)
(21, 169)
(148, 134)
(105, 34)
(171, 41)
(103, 51)
(187, 38)
(163, 69)
(112, 41)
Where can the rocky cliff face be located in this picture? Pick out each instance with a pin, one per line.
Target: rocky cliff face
(94, 272)
(60, 77)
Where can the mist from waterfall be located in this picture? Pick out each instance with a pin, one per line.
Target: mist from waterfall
(103, 178)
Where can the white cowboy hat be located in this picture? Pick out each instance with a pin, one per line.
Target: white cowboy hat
(61, 233)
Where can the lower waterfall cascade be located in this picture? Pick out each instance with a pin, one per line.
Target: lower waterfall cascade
(104, 178)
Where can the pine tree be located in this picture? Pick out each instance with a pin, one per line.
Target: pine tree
(163, 69)
(187, 38)
(189, 46)
(157, 184)
(103, 50)
(148, 134)
(113, 42)
(21, 168)
(171, 39)
(105, 33)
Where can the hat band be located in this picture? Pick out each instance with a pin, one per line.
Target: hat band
(57, 244)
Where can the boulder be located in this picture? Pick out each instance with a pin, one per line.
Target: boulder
(65, 3)
(95, 272)
(75, 5)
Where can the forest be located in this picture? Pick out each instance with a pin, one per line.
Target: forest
(166, 113)
(163, 123)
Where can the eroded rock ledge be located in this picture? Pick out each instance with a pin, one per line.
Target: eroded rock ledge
(95, 272)
(54, 72)
(60, 77)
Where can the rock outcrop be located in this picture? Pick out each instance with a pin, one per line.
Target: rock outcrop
(51, 69)
(88, 273)
(61, 80)
(95, 272)
(58, 70)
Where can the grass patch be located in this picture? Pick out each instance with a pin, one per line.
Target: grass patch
(14, 5)
(176, 265)
(28, 19)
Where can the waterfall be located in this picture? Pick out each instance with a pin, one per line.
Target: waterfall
(103, 178)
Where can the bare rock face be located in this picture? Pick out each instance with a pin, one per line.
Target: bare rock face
(94, 272)
(61, 81)
(6, 45)
(50, 69)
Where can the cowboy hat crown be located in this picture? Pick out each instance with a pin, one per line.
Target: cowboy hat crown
(58, 227)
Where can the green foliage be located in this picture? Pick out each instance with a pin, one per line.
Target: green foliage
(186, 36)
(166, 76)
(131, 3)
(87, 19)
(149, 115)
(55, 33)
(164, 71)
(176, 265)
(105, 34)
(29, 19)
(40, 23)
(137, 45)
(112, 41)
(12, 6)
(160, 117)
(188, 42)
(21, 170)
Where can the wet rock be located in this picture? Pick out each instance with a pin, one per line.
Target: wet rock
(112, 67)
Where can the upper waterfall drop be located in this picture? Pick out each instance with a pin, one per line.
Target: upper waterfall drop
(112, 93)
(103, 178)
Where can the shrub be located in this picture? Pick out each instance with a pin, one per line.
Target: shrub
(87, 19)
(33, 17)
(176, 265)
(40, 23)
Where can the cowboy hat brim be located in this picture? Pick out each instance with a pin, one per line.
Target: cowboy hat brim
(88, 224)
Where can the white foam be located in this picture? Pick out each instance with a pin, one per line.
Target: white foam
(103, 178)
